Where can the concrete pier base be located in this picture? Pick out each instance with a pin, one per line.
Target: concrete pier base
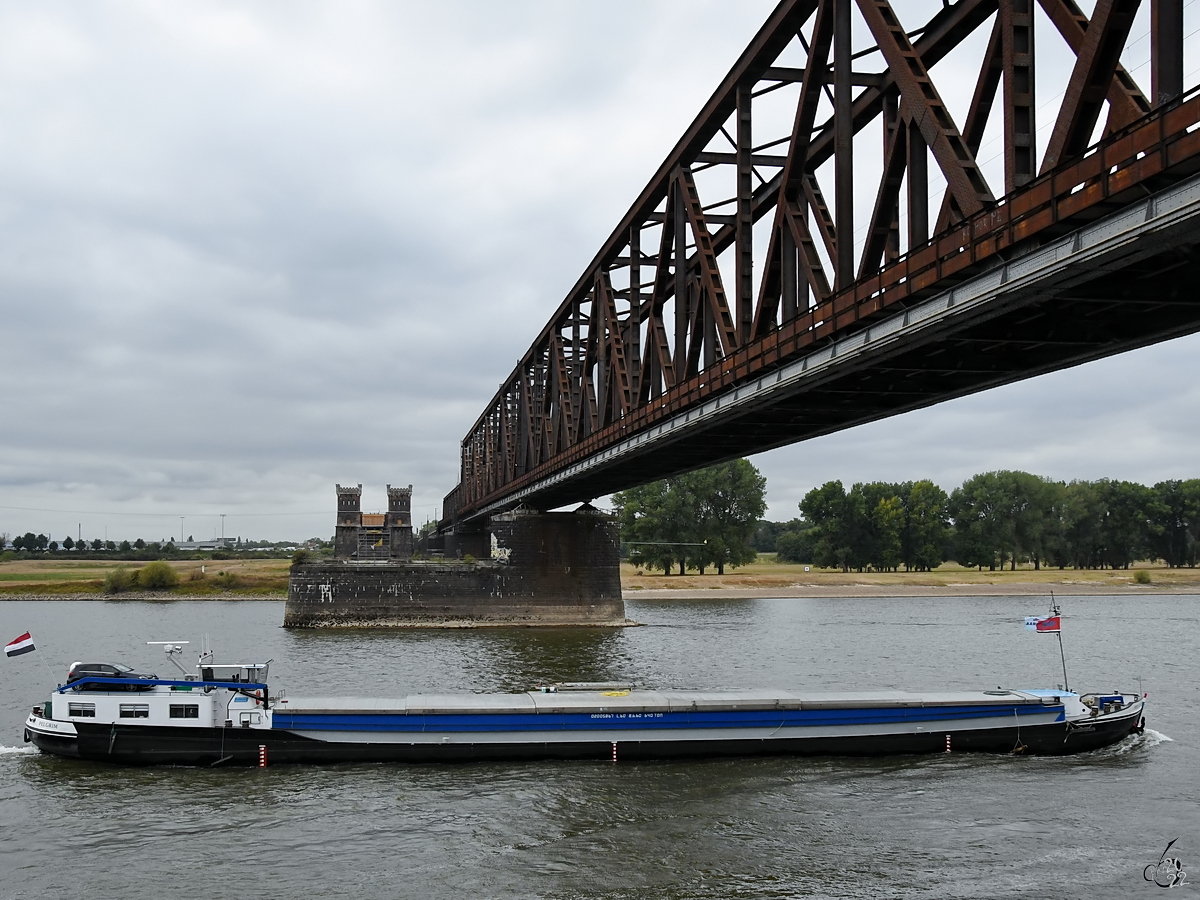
(547, 569)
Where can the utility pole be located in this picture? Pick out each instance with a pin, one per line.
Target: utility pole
(222, 529)
(181, 529)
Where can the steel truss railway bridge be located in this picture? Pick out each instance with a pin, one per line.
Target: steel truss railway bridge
(674, 350)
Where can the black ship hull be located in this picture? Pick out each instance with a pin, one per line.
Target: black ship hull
(191, 746)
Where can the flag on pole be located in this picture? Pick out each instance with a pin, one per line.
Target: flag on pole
(1044, 624)
(23, 644)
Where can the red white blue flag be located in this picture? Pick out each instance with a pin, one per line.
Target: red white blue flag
(1044, 624)
(23, 644)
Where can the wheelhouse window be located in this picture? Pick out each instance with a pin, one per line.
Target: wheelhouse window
(82, 710)
(135, 710)
(185, 711)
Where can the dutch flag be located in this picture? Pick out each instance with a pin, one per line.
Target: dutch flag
(23, 644)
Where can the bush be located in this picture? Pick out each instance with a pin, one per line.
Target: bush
(157, 576)
(300, 558)
(1141, 576)
(118, 580)
(227, 580)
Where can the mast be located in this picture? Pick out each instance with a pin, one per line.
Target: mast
(1055, 611)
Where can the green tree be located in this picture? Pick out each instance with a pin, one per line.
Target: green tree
(886, 527)
(732, 498)
(766, 533)
(926, 529)
(1075, 527)
(140, 544)
(125, 546)
(654, 524)
(1128, 528)
(982, 525)
(1177, 530)
(30, 542)
(833, 522)
(68, 543)
(796, 546)
(1000, 517)
(877, 525)
(714, 510)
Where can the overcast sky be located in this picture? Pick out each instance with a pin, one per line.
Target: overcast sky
(251, 250)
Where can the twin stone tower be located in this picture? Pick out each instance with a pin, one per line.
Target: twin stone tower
(524, 567)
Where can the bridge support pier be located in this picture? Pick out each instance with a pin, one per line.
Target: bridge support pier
(527, 568)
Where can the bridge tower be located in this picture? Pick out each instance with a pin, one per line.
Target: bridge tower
(349, 520)
(399, 521)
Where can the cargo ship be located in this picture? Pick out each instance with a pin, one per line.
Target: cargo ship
(225, 714)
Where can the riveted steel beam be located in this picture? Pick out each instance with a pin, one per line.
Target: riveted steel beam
(1091, 80)
(664, 345)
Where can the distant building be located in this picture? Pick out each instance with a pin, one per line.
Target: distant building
(217, 544)
(362, 535)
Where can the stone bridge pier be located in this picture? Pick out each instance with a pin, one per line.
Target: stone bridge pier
(524, 568)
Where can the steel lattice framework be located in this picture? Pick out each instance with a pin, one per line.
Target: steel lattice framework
(655, 327)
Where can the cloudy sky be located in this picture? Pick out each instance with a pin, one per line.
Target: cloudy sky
(250, 250)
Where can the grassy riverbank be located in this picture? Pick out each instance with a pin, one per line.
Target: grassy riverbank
(267, 578)
(767, 578)
(251, 578)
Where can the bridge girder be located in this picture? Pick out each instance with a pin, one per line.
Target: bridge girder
(643, 338)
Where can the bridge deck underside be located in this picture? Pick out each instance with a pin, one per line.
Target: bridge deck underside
(1150, 296)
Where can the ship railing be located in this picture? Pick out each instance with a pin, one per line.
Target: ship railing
(135, 684)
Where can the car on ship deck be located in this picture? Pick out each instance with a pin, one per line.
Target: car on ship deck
(108, 670)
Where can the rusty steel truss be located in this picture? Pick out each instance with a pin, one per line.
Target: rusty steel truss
(688, 299)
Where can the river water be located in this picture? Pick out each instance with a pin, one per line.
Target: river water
(952, 825)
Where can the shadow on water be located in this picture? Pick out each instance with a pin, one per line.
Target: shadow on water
(476, 660)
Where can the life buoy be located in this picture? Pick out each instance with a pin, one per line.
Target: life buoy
(28, 736)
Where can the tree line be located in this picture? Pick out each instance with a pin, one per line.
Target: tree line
(39, 543)
(993, 519)
(140, 549)
(695, 520)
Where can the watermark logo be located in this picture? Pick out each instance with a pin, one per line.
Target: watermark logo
(1167, 872)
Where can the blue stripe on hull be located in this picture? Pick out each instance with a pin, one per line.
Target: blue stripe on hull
(531, 722)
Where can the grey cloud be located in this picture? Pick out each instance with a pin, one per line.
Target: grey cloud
(248, 251)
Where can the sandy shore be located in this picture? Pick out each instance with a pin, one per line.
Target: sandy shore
(760, 580)
(140, 596)
(730, 592)
(1014, 589)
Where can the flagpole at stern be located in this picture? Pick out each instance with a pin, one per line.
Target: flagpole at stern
(1055, 611)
